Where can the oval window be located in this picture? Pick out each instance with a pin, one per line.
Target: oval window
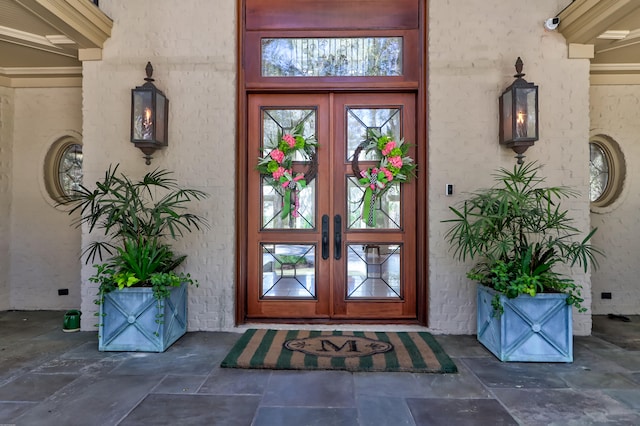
(63, 169)
(607, 171)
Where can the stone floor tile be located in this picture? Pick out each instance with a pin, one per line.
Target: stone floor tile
(464, 384)
(180, 384)
(9, 411)
(467, 412)
(597, 380)
(537, 407)
(34, 387)
(629, 360)
(625, 335)
(173, 361)
(466, 346)
(91, 400)
(388, 384)
(236, 381)
(496, 374)
(197, 410)
(297, 416)
(383, 411)
(629, 397)
(310, 389)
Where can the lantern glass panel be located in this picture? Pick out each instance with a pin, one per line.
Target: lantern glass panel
(142, 115)
(525, 113)
(161, 101)
(507, 120)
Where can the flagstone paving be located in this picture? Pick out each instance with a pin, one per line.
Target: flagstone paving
(48, 377)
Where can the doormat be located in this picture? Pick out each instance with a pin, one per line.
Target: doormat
(339, 350)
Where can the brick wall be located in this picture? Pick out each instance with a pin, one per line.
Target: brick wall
(472, 50)
(614, 113)
(45, 249)
(6, 138)
(192, 47)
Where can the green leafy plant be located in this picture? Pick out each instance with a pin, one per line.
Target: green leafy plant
(518, 233)
(138, 219)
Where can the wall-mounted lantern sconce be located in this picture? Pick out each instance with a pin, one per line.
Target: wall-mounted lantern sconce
(149, 117)
(519, 114)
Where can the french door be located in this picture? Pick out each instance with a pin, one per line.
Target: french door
(327, 262)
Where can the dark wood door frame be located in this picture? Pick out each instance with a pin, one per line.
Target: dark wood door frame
(407, 18)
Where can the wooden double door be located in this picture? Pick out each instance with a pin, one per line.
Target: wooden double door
(327, 263)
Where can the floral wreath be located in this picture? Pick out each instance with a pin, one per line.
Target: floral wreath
(277, 166)
(395, 166)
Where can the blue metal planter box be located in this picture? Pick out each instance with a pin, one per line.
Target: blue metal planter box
(133, 320)
(535, 329)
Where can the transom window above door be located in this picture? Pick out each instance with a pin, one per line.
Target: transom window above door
(323, 57)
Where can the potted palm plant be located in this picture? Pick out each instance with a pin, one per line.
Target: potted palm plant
(519, 235)
(142, 298)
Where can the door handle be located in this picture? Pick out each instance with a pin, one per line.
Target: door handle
(337, 237)
(325, 236)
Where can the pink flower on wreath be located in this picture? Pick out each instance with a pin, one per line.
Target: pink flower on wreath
(298, 177)
(388, 147)
(279, 172)
(277, 155)
(387, 174)
(290, 140)
(396, 161)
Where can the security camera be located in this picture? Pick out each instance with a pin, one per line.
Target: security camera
(551, 24)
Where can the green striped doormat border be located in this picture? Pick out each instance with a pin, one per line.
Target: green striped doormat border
(339, 350)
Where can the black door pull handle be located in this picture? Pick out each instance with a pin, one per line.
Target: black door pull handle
(325, 236)
(337, 237)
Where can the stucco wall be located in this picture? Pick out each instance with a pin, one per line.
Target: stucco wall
(472, 50)
(6, 157)
(614, 114)
(45, 251)
(192, 48)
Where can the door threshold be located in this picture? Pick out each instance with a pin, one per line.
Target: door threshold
(330, 327)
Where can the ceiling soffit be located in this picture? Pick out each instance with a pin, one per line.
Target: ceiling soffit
(611, 31)
(42, 42)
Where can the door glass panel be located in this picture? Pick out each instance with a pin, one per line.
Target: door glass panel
(360, 120)
(325, 57)
(276, 123)
(373, 271)
(272, 205)
(387, 207)
(288, 270)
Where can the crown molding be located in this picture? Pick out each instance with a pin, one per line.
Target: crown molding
(41, 71)
(79, 20)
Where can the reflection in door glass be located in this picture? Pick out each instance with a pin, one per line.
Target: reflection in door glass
(387, 207)
(275, 123)
(272, 204)
(332, 56)
(373, 271)
(288, 270)
(359, 120)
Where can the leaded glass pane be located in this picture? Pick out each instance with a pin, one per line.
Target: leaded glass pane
(599, 169)
(324, 57)
(275, 123)
(272, 205)
(373, 271)
(387, 207)
(70, 169)
(288, 271)
(360, 120)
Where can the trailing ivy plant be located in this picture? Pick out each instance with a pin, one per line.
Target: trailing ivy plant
(137, 220)
(518, 233)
